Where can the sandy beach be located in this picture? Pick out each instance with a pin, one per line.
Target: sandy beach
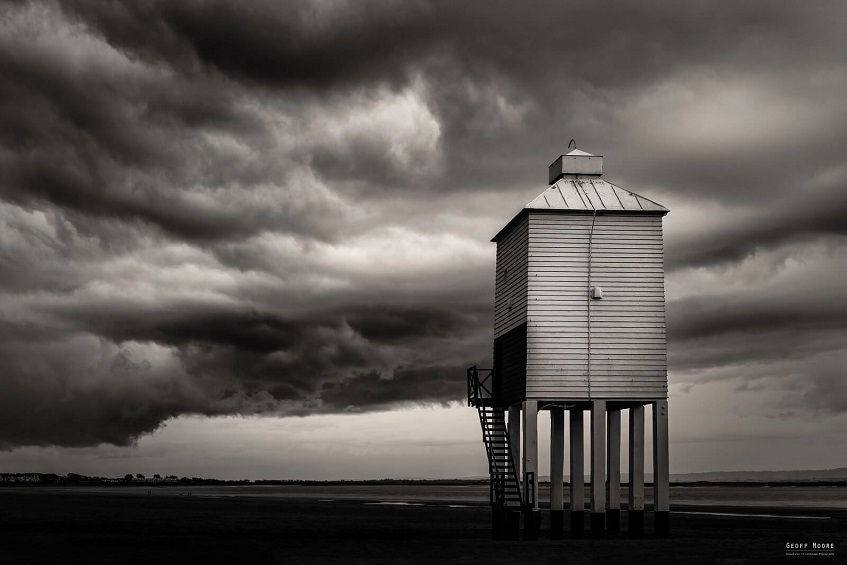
(254, 525)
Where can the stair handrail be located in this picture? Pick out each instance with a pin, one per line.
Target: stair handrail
(499, 479)
(471, 385)
(479, 389)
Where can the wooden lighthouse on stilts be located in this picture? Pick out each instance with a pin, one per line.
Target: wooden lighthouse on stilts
(579, 326)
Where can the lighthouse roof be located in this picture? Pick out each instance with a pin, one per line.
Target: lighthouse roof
(576, 187)
(587, 195)
(590, 194)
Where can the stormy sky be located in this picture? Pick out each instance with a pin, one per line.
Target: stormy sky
(251, 239)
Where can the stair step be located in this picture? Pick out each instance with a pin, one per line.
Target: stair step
(501, 461)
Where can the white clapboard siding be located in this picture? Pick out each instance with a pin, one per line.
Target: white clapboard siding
(628, 348)
(510, 294)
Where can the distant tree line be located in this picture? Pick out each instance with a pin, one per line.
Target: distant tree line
(140, 479)
(129, 478)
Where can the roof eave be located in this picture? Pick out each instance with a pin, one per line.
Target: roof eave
(509, 224)
(581, 212)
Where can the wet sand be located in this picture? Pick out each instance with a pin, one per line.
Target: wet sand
(102, 525)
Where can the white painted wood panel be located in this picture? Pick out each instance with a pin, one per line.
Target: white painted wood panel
(510, 296)
(628, 357)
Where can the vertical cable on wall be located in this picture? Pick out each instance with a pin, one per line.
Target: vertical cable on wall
(588, 291)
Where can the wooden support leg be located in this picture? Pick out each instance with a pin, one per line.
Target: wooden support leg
(598, 467)
(577, 472)
(661, 471)
(557, 471)
(636, 471)
(513, 518)
(613, 466)
(532, 516)
(514, 428)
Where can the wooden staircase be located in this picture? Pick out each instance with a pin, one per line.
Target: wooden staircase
(505, 484)
(505, 487)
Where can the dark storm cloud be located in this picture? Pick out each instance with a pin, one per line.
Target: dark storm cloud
(552, 61)
(389, 325)
(291, 44)
(704, 317)
(111, 138)
(802, 217)
(74, 391)
(716, 331)
(407, 385)
(251, 331)
(221, 362)
(783, 326)
(182, 180)
(322, 345)
(494, 102)
(304, 44)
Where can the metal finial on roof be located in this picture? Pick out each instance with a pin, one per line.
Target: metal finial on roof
(574, 143)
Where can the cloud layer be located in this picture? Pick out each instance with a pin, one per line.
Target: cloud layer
(215, 208)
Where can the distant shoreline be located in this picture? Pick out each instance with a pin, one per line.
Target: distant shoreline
(88, 482)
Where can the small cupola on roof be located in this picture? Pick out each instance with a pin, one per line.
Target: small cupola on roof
(576, 188)
(576, 163)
